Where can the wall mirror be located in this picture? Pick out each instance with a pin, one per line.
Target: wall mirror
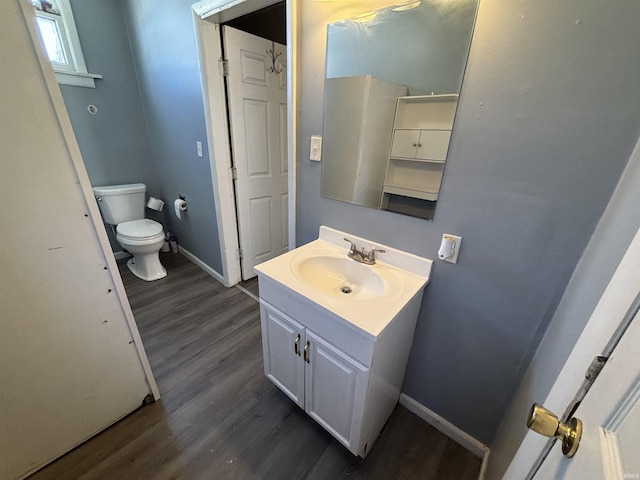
(393, 77)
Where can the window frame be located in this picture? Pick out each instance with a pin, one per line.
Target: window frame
(74, 72)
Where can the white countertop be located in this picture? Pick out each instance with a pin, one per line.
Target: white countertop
(403, 274)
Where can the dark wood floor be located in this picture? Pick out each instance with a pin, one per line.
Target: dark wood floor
(220, 418)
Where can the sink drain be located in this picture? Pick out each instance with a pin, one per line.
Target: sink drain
(346, 289)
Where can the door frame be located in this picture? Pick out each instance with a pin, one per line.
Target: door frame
(207, 17)
(608, 316)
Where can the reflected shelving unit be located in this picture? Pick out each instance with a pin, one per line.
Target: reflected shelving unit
(421, 134)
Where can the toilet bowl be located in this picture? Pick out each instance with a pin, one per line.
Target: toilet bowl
(143, 239)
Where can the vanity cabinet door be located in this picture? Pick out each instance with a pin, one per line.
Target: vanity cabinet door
(335, 389)
(282, 342)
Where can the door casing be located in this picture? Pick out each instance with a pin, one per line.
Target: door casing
(207, 16)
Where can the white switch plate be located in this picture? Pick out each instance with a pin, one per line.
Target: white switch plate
(199, 147)
(316, 148)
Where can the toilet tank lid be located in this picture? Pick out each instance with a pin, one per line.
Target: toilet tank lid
(119, 189)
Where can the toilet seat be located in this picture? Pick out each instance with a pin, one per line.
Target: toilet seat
(140, 230)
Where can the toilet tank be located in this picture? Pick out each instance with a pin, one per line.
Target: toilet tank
(121, 203)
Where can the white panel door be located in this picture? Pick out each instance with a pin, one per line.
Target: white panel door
(283, 340)
(71, 360)
(335, 386)
(610, 413)
(257, 96)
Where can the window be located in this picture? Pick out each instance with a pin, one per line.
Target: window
(57, 27)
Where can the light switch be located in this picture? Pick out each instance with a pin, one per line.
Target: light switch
(199, 147)
(316, 148)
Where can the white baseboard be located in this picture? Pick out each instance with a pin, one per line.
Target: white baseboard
(201, 264)
(467, 441)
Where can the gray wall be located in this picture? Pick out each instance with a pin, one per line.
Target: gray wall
(114, 143)
(164, 50)
(614, 233)
(546, 123)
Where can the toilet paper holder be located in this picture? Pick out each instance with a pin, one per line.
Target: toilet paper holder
(179, 206)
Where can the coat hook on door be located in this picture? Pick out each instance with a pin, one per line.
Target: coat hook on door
(274, 56)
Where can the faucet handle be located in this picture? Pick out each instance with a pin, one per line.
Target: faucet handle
(353, 248)
(372, 253)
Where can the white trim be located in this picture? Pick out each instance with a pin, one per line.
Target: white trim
(601, 327)
(87, 193)
(76, 79)
(292, 108)
(73, 39)
(215, 109)
(476, 447)
(75, 72)
(220, 11)
(190, 256)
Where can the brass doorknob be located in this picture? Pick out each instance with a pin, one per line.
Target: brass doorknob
(546, 423)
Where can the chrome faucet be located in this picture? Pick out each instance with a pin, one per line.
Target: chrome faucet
(368, 258)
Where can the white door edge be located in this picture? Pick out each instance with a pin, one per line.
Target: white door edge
(616, 300)
(93, 213)
(292, 94)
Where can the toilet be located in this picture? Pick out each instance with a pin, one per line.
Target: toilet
(123, 206)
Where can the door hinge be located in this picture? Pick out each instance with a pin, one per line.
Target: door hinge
(234, 173)
(239, 254)
(590, 376)
(595, 368)
(223, 66)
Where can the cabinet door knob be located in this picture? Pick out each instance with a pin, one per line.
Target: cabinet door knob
(306, 352)
(415, 144)
(296, 346)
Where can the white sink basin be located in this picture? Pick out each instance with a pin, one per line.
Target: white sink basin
(339, 277)
(322, 273)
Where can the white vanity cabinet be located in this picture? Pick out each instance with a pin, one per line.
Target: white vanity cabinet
(343, 378)
(322, 379)
(336, 333)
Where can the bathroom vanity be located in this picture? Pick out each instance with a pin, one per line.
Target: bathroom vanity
(336, 333)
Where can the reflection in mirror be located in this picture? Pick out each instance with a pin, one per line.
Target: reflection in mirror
(392, 82)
